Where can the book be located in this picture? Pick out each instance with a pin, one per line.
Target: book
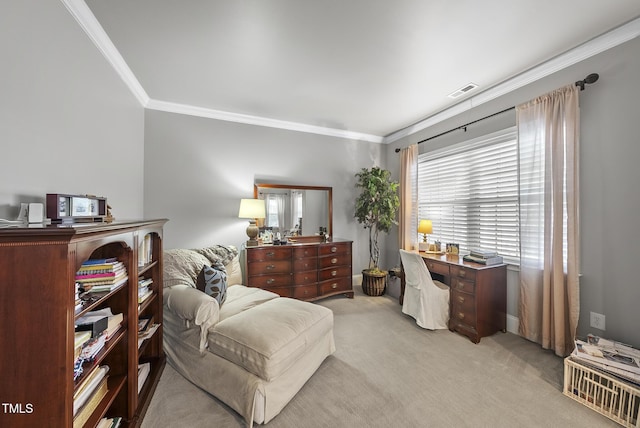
(143, 373)
(102, 267)
(85, 412)
(145, 296)
(99, 261)
(106, 278)
(88, 386)
(483, 253)
(483, 261)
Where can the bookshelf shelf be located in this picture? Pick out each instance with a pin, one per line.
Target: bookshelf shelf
(42, 266)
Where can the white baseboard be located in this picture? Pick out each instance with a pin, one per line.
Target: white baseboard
(513, 324)
(356, 279)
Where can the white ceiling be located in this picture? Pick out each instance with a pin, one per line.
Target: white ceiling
(358, 68)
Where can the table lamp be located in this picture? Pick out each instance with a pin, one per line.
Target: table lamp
(252, 209)
(425, 227)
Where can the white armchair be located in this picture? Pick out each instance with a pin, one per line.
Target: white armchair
(425, 300)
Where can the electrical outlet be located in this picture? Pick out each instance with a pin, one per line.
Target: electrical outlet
(597, 321)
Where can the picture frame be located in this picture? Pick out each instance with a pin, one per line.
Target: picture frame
(453, 248)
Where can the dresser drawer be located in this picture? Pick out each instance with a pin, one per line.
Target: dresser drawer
(463, 285)
(300, 265)
(305, 291)
(437, 267)
(340, 284)
(335, 248)
(303, 278)
(334, 260)
(276, 280)
(280, 291)
(268, 253)
(304, 252)
(336, 272)
(268, 268)
(460, 272)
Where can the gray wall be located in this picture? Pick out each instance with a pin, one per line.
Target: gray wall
(197, 170)
(610, 200)
(67, 122)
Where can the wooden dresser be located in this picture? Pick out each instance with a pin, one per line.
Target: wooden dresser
(305, 271)
(478, 300)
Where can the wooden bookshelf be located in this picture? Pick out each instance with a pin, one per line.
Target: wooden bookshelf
(37, 314)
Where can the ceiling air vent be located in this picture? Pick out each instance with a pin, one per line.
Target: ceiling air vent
(466, 88)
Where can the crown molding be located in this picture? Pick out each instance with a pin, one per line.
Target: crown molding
(586, 50)
(190, 110)
(88, 22)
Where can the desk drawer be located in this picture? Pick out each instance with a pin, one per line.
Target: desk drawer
(268, 268)
(463, 285)
(268, 253)
(437, 267)
(460, 272)
(281, 291)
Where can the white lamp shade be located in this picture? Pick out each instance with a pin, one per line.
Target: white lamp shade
(251, 208)
(425, 226)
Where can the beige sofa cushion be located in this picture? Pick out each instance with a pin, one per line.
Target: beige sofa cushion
(242, 298)
(268, 338)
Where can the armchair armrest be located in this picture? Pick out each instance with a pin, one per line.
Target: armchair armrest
(192, 305)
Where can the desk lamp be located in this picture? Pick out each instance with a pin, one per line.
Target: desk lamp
(425, 227)
(252, 209)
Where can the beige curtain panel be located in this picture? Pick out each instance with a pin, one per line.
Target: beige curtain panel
(408, 222)
(548, 140)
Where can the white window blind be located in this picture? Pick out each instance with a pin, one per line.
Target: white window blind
(470, 192)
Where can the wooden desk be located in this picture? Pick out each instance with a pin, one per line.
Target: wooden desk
(478, 300)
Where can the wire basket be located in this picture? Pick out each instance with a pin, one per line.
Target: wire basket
(607, 395)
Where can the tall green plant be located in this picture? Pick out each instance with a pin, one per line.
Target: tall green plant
(376, 206)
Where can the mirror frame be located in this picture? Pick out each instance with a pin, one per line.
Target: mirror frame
(295, 186)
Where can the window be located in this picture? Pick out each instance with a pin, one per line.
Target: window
(470, 192)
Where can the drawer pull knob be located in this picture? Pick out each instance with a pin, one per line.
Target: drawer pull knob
(306, 292)
(334, 272)
(270, 281)
(334, 249)
(460, 299)
(334, 285)
(460, 285)
(271, 254)
(269, 267)
(461, 315)
(461, 273)
(334, 261)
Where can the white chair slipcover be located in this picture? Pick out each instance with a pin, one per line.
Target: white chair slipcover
(425, 300)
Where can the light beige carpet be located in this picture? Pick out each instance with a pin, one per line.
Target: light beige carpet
(388, 372)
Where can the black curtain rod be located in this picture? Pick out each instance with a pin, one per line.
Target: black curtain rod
(592, 78)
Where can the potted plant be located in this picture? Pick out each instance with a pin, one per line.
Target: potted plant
(376, 209)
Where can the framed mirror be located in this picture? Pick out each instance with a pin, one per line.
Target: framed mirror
(298, 213)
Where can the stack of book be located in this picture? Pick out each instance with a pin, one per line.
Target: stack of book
(615, 358)
(89, 394)
(144, 290)
(99, 275)
(483, 257)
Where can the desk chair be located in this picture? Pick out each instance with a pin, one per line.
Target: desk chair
(425, 300)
